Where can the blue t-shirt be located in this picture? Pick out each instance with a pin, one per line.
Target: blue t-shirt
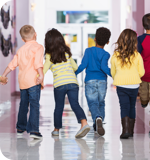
(95, 61)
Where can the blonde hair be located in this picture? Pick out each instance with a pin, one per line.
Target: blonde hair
(27, 32)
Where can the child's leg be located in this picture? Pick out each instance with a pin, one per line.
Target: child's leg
(133, 97)
(144, 93)
(91, 93)
(72, 92)
(102, 88)
(132, 113)
(124, 100)
(23, 110)
(34, 98)
(59, 95)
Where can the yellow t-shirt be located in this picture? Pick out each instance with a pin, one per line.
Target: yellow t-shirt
(63, 73)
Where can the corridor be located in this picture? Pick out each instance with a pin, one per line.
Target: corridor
(66, 147)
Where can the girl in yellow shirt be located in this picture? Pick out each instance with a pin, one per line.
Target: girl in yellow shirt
(127, 69)
(59, 60)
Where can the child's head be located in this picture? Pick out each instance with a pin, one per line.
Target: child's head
(55, 46)
(28, 33)
(126, 46)
(146, 21)
(102, 36)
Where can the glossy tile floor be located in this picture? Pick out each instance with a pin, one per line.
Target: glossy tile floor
(66, 147)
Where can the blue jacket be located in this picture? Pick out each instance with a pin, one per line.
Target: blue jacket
(95, 61)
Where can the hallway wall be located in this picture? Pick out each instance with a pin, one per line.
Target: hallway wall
(6, 31)
(22, 18)
(147, 6)
(42, 15)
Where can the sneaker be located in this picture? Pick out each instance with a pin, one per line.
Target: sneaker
(82, 132)
(36, 135)
(144, 105)
(55, 133)
(19, 132)
(99, 127)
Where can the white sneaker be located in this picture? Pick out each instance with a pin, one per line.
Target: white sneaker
(99, 126)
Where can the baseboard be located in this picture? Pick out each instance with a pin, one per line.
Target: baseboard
(16, 93)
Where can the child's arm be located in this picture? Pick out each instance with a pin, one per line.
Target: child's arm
(47, 64)
(104, 64)
(113, 68)
(6, 72)
(41, 76)
(12, 65)
(83, 64)
(38, 64)
(3, 80)
(42, 71)
(73, 64)
(141, 69)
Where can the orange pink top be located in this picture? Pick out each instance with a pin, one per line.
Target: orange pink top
(29, 58)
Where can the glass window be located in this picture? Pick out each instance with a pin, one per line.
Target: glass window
(70, 38)
(72, 42)
(82, 16)
(91, 41)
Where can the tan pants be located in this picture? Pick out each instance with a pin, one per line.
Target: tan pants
(144, 92)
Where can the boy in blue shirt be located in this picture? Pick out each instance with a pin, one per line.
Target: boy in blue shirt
(95, 61)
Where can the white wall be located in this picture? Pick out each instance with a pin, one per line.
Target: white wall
(147, 6)
(22, 18)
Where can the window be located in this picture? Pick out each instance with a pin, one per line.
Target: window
(82, 16)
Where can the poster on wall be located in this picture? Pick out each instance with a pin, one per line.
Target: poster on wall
(7, 30)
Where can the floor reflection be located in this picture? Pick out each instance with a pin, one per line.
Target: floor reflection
(66, 147)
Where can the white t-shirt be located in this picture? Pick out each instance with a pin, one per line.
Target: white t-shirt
(132, 86)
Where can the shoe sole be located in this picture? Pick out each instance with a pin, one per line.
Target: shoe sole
(125, 136)
(55, 134)
(36, 137)
(99, 127)
(83, 133)
(19, 134)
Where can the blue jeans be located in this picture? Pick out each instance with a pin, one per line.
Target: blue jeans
(29, 96)
(59, 94)
(95, 91)
(127, 99)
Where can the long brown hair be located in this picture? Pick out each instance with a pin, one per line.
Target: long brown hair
(55, 46)
(126, 45)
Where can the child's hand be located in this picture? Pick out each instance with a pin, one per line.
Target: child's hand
(3, 80)
(39, 80)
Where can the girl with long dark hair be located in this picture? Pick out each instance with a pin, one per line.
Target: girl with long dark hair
(59, 60)
(127, 69)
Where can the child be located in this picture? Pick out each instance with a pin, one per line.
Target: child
(95, 61)
(29, 58)
(144, 49)
(127, 69)
(3, 80)
(58, 59)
